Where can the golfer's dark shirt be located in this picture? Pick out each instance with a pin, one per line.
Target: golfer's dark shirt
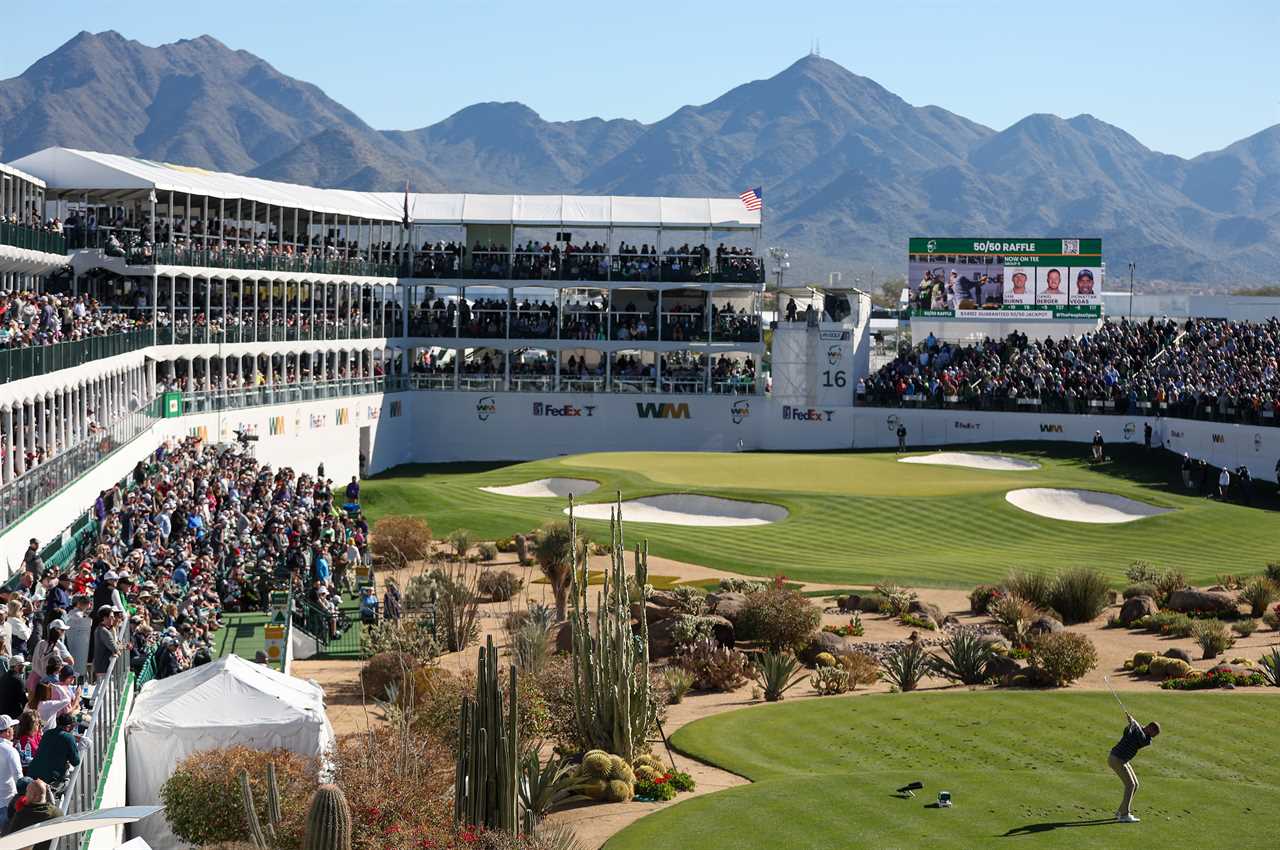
(1133, 739)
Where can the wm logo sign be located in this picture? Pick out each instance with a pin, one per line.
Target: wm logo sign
(665, 410)
(275, 425)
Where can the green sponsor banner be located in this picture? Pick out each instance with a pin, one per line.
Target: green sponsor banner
(1015, 311)
(1005, 245)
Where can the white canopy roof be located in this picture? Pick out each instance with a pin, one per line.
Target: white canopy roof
(21, 175)
(70, 171)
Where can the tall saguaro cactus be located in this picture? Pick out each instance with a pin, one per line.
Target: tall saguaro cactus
(612, 702)
(486, 778)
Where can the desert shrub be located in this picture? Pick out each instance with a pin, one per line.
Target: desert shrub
(965, 659)
(905, 667)
(863, 669)
(689, 599)
(1212, 636)
(1229, 581)
(741, 585)
(1272, 619)
(689, 630)
(914, 621)
(1140, 590)
(1269, 667)
(1258, 593)
(1059, 659)
(829, 680)
(777, 673)
(499, 585)
(780, 618)
(487, 551)
(1244, 627)
(1167, 668)
(897, 600)
(1169, 623)
(438, 693)
(678, 682)
(531, 646)
(401, 539)
(872, 603)
(715, 667)
(411, 635)
(1036, 588)
(459, 541)
(457, 606)
(1165, 582)
(1079, 595)
(1272, 572)
(382, 676)
(1014, 616)
(202, 799)
(982, 596)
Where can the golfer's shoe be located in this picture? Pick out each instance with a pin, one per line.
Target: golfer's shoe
(1130, 818)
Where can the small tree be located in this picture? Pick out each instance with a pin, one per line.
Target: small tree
(401, 539)
(553, 549)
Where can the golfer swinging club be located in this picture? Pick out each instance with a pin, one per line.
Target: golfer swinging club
(1135, 737)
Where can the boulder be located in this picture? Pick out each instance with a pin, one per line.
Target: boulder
(661, 638)
(1180, 654)
(562, 633)
(722, 630)
(996, 644)
(826, 642)
(925, 609)
(1044, 626)
(727, 605)
(1003, 668)
(1189, 599)
(1136, 608)
(663, 599)
(849, 603)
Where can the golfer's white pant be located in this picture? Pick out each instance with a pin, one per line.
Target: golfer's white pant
(1124, 770)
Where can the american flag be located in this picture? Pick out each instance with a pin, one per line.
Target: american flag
(753, 199)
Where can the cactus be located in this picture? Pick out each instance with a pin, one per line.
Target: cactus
(328, 821)
(606, 778)
(261, 838)
(486, 775)
(613, 706)
(522, 549)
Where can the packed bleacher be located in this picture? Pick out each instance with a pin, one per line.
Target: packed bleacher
(35, 318)
(536, 260)
(1201, 368)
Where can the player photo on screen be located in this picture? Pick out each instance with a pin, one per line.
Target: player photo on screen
(1086, 286)
(1019, 285)
(1051, 285)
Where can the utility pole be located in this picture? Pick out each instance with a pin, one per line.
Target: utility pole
(1132, 267)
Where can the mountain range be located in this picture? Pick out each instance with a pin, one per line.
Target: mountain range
(849, 169)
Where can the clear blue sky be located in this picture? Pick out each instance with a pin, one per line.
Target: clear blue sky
(1183, 77)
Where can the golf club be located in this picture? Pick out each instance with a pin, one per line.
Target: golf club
(1107, 679)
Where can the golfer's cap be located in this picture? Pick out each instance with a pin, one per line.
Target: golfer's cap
(7, 722)
(59, 625)
(1084, 273)
(17, 658)
(111, 575)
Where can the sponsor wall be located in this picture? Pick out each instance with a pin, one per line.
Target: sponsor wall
(1220, 443)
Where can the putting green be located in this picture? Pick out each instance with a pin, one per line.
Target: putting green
(861, 517)
(1030, 766)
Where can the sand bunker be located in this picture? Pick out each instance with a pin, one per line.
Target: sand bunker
(974, 461)
(1081, 505)
(546, 488)
(681, 509)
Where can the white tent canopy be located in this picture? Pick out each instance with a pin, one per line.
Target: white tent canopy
(68, 171)
(229, 702)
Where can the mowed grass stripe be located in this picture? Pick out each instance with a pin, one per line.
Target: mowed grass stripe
(926, 534)
(1028, 763)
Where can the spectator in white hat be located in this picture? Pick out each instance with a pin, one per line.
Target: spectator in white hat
(52, 645)
(10, 767)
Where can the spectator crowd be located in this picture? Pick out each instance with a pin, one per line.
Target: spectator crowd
(33, 318)
(1198, 368)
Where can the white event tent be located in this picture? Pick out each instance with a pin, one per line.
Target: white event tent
(229, 702)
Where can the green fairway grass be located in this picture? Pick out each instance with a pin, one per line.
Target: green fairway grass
(861, 517)
(1026, 770)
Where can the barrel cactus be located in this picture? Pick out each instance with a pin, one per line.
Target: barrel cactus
(606, 778)
(328, 821)
(647, 768)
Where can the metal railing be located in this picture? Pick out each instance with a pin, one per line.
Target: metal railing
(37, 485)
(211, 401)
(32, 238)
(255, 260)
(1232, 412)
(581, 265)
(18, 363)
(333, 635)
(80, 792)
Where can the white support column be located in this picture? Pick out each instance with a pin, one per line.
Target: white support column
(6, 425)
(20, 439)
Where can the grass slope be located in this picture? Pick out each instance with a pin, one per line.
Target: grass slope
(1025, 769)
(862, 517)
